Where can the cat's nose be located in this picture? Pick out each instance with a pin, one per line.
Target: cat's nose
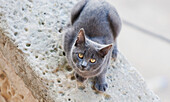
(84, 65)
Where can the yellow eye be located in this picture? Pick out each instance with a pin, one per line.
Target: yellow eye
(92, 60)
(80, 55)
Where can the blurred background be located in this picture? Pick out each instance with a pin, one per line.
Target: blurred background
(145, 40)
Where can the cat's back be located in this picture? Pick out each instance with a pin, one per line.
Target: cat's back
(94, 19)
(95, 11)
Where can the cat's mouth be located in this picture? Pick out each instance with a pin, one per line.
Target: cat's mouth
(87, 73)
(84, 70)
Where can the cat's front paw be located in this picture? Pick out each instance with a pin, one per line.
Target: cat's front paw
(79, 78)
(101, 86)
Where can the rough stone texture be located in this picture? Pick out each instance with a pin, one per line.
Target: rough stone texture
(31, 42)
(12, 87)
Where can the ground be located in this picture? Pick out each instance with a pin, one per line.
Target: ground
(147, 52)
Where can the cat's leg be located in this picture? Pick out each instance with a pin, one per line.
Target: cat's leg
(80, 78)
(77, 10)
(115, 52)
(115, 25)
(100, 82)
(115, 22)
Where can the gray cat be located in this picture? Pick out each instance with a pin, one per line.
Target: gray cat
(90, 41)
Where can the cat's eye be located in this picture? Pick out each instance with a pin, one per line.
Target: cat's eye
(92, 60)
(80, 55)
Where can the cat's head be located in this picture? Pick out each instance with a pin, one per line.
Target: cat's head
(88, 55)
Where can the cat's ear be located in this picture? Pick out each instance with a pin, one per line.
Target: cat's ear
(80, 37)
(103, 51)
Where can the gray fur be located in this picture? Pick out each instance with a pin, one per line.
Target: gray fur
(95, 27)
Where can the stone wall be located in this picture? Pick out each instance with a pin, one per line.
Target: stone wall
(12, 88)
(31, 55)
